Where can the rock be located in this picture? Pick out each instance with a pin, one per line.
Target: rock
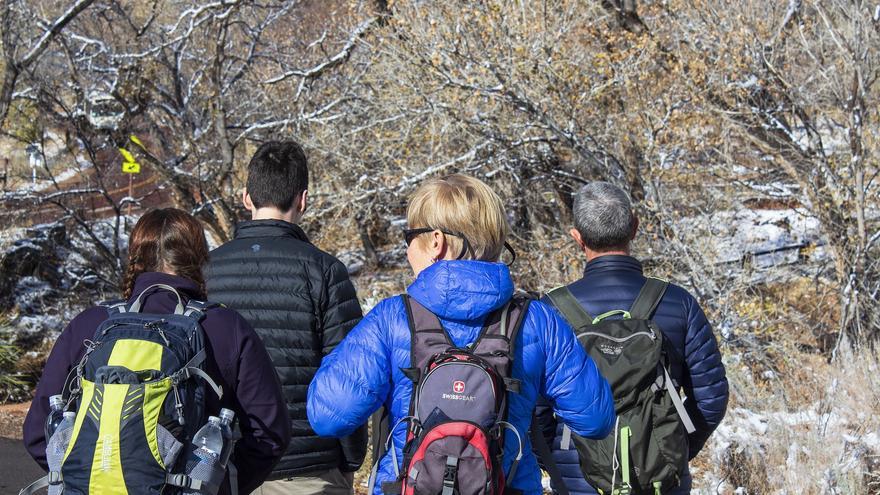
(37, 257)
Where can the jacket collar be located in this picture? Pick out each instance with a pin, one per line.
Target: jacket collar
(612, 262)
(269, 228)
(186, 287)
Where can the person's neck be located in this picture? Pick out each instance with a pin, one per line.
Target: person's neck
(591, 255)
(271, 213)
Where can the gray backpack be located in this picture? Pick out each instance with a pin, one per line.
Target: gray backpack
(458, 411)
(648, 449)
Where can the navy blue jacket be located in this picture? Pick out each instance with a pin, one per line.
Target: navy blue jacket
(612, 282)
(237, 361)
(364, 372)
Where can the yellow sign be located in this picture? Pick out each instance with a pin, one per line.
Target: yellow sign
(129, 165)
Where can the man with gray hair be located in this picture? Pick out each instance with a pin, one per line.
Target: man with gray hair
(605, 226)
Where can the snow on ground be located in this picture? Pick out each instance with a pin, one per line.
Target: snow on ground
(735, 234)
(43, 307)
(814, 431)
(65, 174)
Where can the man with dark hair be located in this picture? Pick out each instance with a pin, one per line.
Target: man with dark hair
(302, 304)
(605, 225)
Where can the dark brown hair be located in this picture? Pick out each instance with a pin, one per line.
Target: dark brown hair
(277, 174)
(166, 240)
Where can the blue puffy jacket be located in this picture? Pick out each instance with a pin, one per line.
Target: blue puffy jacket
(364, 372)
(613, 282)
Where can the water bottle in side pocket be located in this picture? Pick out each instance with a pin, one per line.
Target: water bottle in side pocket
(56, 446)
(56, 414)
(227, 427)
(204, 463)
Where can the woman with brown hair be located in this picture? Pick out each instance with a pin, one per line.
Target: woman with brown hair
(168, 247)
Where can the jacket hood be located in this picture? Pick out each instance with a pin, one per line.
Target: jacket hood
(462, 290)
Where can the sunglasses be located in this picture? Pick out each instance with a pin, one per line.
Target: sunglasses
(409, 236)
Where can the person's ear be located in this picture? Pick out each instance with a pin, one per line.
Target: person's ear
(438, 245)
(576, 235)
(303, 202)
(635, 227)
(246, 200)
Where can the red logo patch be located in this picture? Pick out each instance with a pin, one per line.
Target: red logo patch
(458, 386)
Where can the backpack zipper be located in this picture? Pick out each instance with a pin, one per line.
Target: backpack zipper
(155, 326)
(650, 334)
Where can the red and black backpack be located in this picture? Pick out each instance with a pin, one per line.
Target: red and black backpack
(458, 411)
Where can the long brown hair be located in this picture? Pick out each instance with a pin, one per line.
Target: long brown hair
(166, 240)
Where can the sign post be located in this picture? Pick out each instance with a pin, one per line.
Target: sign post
(35, 159)
(130, 166)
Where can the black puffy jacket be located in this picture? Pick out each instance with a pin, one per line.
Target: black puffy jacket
(302, 304)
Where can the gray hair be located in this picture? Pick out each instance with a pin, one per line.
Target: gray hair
(603, 215)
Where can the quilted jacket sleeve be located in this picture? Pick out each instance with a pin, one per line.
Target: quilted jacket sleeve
(340, 309)
(705, 380)
(354, 379)
(340, 313)
(572, 382)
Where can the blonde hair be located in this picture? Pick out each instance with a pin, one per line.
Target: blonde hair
(461, 205)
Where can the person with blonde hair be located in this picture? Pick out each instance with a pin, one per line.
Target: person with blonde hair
(459, 361)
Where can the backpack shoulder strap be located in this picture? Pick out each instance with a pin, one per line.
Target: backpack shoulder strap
(648, 299)
(496, 341)
(114, 306)
(514, 317)
(568, 305)
(197, 309)
(380, 431)
(428, 337)
(545, 457)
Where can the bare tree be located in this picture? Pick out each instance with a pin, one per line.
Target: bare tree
(195, 82)
(804, 99)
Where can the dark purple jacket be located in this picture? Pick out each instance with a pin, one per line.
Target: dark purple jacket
(237, 361)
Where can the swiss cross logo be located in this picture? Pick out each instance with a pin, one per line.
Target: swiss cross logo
(458, 386)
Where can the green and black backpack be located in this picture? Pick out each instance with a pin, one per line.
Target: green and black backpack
(139, 395)
(649, 448)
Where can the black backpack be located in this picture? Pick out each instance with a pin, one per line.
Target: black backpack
(649, 447)
(458, 410)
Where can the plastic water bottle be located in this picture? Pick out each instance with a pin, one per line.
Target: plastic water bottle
(56, 414)
(57, 446)
(205, 461)
(226, 418)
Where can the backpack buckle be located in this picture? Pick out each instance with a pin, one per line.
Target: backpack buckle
(450, 473)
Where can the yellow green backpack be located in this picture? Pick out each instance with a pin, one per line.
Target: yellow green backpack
(139, 397)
